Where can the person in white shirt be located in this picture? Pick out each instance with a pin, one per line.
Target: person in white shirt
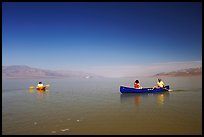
(40, 84)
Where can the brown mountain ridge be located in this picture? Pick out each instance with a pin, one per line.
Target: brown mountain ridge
(182, 72)
(22, 71)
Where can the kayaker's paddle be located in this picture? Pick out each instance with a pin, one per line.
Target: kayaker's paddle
(32, 86)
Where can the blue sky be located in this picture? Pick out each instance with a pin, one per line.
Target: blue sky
(93, 36)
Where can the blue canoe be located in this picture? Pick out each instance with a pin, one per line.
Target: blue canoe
(124, 89)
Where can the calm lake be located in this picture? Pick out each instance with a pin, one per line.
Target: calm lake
(95, 106)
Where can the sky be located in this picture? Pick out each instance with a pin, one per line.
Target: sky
(106, 38)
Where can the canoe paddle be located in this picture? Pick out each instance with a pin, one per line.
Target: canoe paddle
(168, 89)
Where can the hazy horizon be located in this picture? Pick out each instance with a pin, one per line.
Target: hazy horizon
(129, 71)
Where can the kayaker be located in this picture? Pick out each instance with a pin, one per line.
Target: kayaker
(40, 84)
(160, 84)
(137, 84)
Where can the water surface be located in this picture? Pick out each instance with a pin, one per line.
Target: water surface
(92, 106)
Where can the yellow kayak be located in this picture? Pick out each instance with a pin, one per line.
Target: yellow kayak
(41, 88)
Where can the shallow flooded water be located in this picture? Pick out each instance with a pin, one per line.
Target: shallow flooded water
(95, 106)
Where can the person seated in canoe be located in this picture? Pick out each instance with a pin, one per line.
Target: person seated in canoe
(160, 84)
(137, 84)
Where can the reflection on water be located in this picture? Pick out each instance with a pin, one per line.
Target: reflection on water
(39, 91)
(160, 99)
(31, 90)
(138, 98)
(40, 94)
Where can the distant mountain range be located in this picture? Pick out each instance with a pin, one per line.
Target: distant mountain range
(182, 72)
(22, 71)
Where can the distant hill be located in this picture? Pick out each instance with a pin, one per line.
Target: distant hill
(22, 71)
(182, 72)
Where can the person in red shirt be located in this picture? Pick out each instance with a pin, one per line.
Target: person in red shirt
(137, 84)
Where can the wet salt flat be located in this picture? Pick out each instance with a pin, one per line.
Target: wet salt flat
(93, 106)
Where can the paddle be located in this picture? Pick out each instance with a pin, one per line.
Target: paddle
(31, 86)
(167, 89)
(47, 85)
